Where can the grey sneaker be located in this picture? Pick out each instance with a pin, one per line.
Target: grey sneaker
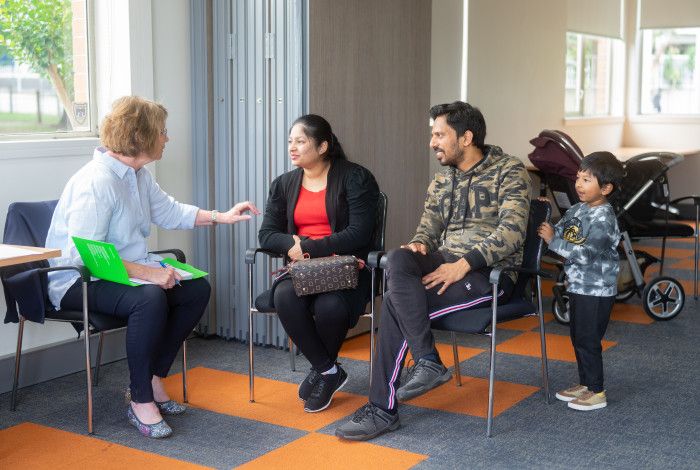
(423, 376)
(367, 423)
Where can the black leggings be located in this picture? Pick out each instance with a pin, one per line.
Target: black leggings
(158, 321)
(319, 323)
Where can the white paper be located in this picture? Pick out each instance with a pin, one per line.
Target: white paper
(11, 252)
(184, 275)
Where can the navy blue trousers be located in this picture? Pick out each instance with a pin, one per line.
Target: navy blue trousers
(589, 320)
(158, 321)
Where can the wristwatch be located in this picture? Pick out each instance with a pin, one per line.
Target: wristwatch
(214, 212)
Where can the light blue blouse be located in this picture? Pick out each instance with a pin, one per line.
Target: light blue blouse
(107, 200)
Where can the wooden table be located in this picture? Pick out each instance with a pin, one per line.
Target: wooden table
(15, 254)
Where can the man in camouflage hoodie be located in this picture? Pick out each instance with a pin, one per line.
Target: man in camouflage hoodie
(475, 218)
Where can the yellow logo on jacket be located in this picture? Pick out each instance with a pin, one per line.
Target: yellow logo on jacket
(572, 232)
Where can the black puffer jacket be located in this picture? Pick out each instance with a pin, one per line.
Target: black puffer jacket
(351, 205)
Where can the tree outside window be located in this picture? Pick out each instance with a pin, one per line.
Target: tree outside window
(44, 81)
(670, 75)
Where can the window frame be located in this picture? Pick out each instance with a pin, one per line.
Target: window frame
(92, 92)
(639, 115)
(610, 79)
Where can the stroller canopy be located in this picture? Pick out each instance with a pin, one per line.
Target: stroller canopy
(556, 153)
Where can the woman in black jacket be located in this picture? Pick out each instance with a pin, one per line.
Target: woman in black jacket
(326, 206)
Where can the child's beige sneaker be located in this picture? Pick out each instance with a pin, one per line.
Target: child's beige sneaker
(589, 401)
(571, 393)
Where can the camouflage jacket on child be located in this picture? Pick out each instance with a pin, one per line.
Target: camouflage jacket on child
(588, 237)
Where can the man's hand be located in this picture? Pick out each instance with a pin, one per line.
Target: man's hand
(416, 248)
(447, 274)
(546, 232)
(295, 252)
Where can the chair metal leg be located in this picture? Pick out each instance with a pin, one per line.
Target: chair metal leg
(184, 371)
(88, 365)
(251, 373)
(543, 342)
(98, 359)
(18, 358)
(371, 324)
(455, 353)
(292, 355)
(492, 367)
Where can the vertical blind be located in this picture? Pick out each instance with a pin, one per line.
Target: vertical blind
(596, 17)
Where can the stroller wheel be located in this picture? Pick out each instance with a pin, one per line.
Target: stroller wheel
(663, 298)
(561, 314)
(622, 296)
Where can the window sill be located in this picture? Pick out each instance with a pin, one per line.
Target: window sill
(664, 119)
(592, 120)
(48, 148)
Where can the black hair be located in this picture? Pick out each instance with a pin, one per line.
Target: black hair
(463, 117)
(317, 128)
(605, 167)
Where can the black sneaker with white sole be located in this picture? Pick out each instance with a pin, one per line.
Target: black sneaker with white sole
(307, 385)
(423, 376)
(367, 423)
(324, 389)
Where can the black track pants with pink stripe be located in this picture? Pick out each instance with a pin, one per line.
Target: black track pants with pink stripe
(407, 311)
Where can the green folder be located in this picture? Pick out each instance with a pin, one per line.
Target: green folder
(104, 262)
(196, 273)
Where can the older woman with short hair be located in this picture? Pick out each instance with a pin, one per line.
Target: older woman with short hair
(115, 199)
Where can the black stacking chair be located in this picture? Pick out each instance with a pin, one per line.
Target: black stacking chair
(478, 320)
(26, 285)
(264, 302)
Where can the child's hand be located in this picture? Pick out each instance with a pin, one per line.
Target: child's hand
(542, 199)
(546, 232)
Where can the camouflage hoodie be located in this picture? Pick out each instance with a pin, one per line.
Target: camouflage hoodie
(480, 215)
(588, 237)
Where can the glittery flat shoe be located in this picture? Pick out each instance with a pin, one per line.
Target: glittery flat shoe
(170, 407)
(155, 431)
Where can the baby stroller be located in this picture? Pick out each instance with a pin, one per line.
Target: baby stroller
(644, 191)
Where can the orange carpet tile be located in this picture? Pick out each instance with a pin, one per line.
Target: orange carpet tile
(558, 347)
(358, 348)
(685, 263)
(31, 446)
(526, 323)
(323, 451)
(676, 253)
(630, 313)
(472, 397)
(275, 402)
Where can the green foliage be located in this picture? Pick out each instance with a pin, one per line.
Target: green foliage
(38, 33)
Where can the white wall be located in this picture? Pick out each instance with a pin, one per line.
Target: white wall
(172, 82)
(36, 171)
(516, 75)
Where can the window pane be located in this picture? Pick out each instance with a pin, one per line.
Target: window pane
(588, 75)
(44, 81)
(670, 71)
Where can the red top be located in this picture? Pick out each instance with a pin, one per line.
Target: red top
(310, 215)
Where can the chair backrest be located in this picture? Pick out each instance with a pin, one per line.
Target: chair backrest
(540, 211)
(379, 235)
(27, 224)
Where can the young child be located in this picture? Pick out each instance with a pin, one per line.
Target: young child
(587, 237)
